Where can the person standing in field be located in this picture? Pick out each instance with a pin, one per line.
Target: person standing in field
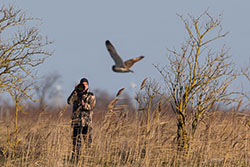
(83, 102)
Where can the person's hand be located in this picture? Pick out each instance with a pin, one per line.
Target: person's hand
(82, 102)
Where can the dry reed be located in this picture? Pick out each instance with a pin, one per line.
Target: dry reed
(122, 139)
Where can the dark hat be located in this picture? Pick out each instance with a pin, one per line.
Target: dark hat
(84, 80)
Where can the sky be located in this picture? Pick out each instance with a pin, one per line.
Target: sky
(80, 28)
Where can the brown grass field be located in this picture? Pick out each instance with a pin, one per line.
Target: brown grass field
(120, 138)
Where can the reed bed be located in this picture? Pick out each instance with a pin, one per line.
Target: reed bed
(121, 138)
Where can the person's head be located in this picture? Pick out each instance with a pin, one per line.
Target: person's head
(85, 82)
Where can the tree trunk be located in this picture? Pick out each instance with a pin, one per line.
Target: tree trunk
(182, 137)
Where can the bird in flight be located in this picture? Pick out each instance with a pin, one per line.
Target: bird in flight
(121, 66)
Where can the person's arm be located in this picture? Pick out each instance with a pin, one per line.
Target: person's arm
(90, 104)
(72, 97)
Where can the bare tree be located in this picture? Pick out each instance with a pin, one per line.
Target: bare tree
(198, 77)
(22, 48)
(246, 73)
(148, 99)
(46, 89)
(18, 97)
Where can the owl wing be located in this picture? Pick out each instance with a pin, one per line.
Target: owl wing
(113, 53)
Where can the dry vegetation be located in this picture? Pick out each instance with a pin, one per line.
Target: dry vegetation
(121, 138)
(183, 126)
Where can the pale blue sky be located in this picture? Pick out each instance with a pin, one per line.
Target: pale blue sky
(136, 27)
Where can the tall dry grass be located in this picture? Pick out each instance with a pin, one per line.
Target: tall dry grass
(121, 138)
